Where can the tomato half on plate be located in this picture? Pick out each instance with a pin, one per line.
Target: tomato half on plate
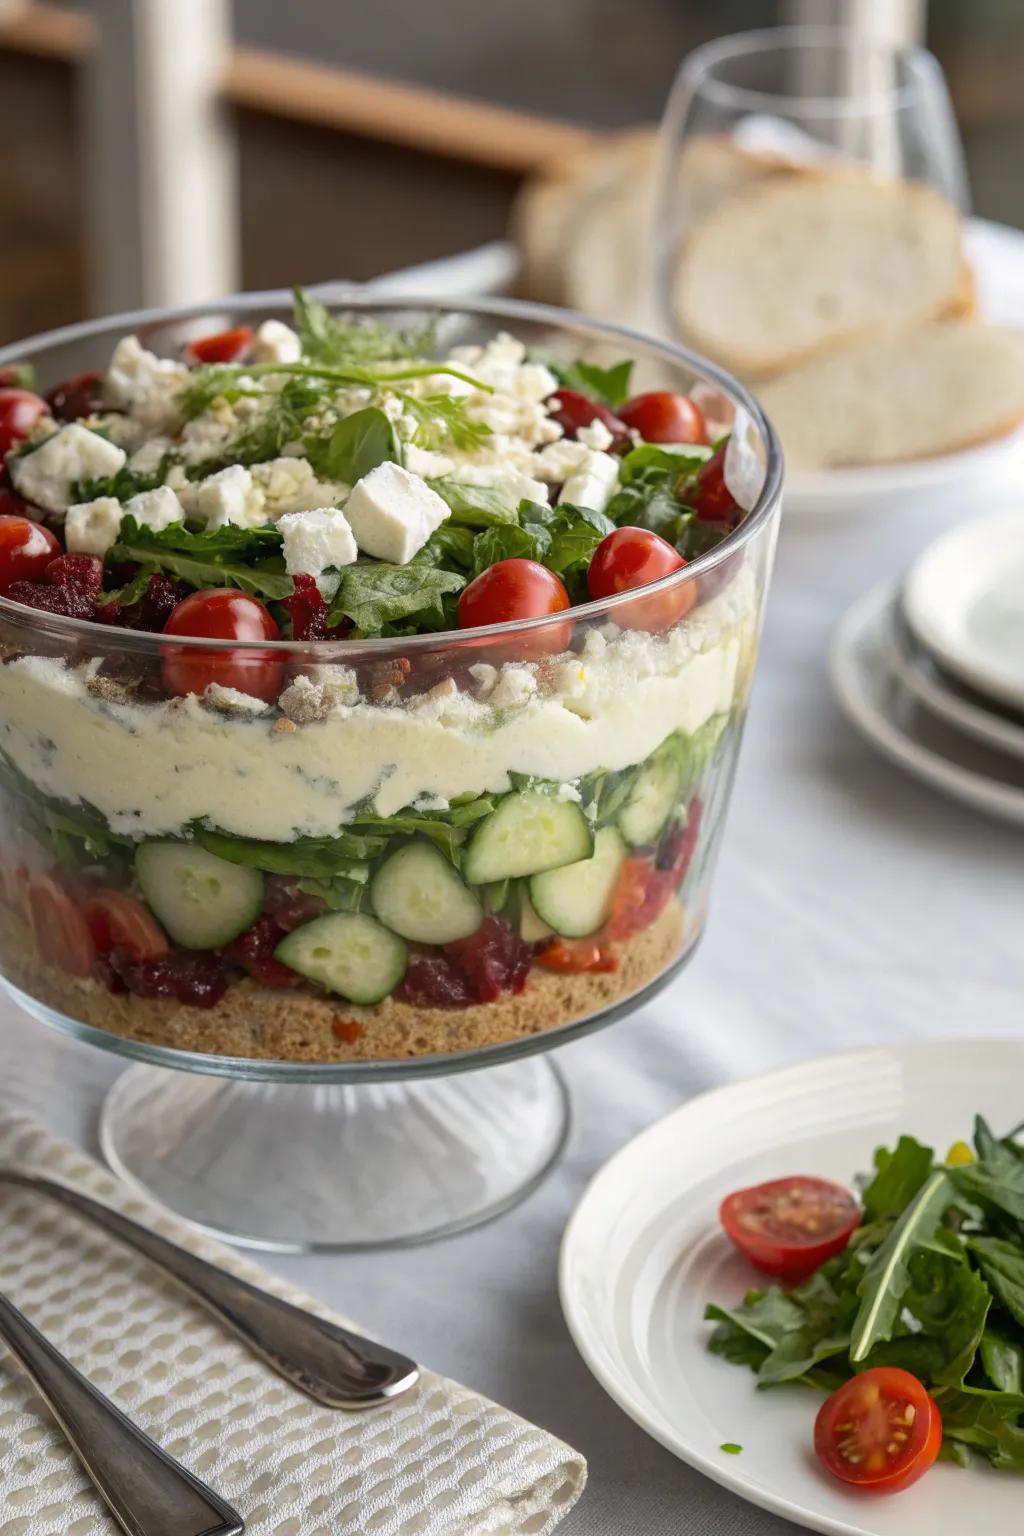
(880, 1431)
(789, 1227)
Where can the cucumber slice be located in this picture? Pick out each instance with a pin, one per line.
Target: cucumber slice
(527, 833)
(418, 894)
(348, 953)
(203, 901)
(653, 798)
(577, 900)
(531, 927)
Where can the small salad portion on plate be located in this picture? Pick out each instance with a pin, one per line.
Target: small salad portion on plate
(908, 1311)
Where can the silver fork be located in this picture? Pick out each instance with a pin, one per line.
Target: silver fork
(323, 1359)
(146, 1491)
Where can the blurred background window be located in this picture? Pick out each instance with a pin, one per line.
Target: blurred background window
(369, 136)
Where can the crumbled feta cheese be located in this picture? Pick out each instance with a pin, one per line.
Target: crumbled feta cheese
(515, 687)
(231, 701)
(305, 701)
(315, 540)
(485, 676)
(91, 527)
(534, 382)
(184, 488)
(393, 513)
(290, 485)
(147, 459)
(47, 474)
(594, 483)
(276, 342)
(429, 466)
(558, 461)
(341, 682)
(230, 496)
(155, 509)
(518, 486)
(146, 386)
(596, 435)
(569, 678)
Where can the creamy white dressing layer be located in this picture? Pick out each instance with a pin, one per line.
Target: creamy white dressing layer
(151, 769)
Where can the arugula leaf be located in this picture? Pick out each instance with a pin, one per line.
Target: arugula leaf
(321, 858)
(374, 594)
(1002, 1360)
(475, 506)
(898, 1177)
(609, 385)
(133, 590)
(247, 558)
(650, 502)
(996, 1180)
(1002, 1265)
(988, 1422)
(887, 1277)
(748, 1334)
(327, 338)
(126, 483)
(355, 445)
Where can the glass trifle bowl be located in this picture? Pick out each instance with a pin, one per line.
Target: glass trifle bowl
(348, 889)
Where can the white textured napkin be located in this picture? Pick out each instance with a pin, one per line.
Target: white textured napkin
(441, 1461)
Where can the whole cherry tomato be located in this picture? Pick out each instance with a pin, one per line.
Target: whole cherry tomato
(117, 921)
(76, 397)
(881, 1431)
(789, 1227)
(61, 932)
(573, 410)
(518, 589)
(222, 614)
(708, 493)
(20, 409)
(662, 417)
(634, 557)
(223, 346)
(26, 549)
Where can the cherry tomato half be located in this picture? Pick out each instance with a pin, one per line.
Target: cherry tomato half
(573, 410)
(62, 934)
(634, 557)
(26, 549)
(881, 1431)
(223, 346)
(118, 921)
(76, 397)
(20, 409)
(222, 614)
(662, 417)
(518, 589)
(709, 495)
(789, 1227)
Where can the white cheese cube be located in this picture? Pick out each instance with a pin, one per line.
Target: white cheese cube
(230, 496)
(290, 485)
(559, 460)
(147, 459)
(146, 386)
(426, 464)
(316, 540)
(47, 474)
(596, 435)
(276, 342)
(393, 513)
(516, 485)
(594, 483)
(91, 527)
(155, 509)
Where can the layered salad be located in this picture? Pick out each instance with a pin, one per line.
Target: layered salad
(273, 785)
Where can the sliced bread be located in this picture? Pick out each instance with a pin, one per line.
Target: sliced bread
(912, 394)
(804, 265)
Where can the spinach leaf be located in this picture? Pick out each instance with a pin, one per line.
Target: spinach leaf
(77, 834)
(1002, 1360)
(609, 385)
(475, 506)
(898, 1177)
(673, 459)
(649, 502)
(354, 446)
(505, 541)
(1002, 1265)
(341, 893)
(374, 594)
(321, 858)
(448, 547)
(247, 558)
(887, 1277)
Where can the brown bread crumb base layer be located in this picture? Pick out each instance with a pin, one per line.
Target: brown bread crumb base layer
(272, 1025)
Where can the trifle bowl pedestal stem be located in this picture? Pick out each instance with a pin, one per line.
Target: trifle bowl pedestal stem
(335, 1166)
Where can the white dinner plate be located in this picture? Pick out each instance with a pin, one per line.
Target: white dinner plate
(876, 702)
(942, 696)
(964, 600)
(996, 256)
(644, 1253)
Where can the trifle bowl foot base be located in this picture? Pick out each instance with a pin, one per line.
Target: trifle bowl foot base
(335, 1166)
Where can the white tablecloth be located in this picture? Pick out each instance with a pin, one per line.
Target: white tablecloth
(852, 906)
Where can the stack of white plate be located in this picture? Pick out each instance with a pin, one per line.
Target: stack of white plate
(932, 671)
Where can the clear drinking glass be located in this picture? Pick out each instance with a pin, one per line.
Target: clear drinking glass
(288, 1081)
(756, 106)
